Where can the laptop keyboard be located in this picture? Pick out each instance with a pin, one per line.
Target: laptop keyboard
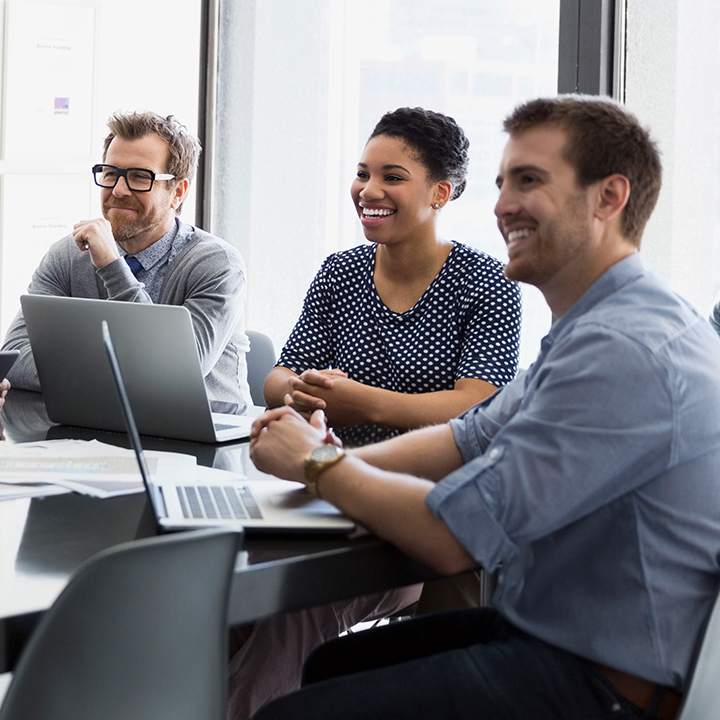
(224, 502)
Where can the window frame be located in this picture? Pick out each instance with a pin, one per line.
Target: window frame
(590, 61)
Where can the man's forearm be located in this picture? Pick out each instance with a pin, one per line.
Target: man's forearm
(429, 453)
(392, 506)
(120, 284)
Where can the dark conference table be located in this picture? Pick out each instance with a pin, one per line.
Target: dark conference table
(43, 540)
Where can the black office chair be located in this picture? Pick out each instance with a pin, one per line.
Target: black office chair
(260, 361)
(139, 632)
(702, 698)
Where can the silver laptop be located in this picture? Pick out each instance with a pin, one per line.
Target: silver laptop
(158, 354)
(267, 504)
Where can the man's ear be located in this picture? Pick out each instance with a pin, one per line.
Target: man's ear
(179, 193)
(612, 196)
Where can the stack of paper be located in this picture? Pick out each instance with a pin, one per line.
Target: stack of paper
(89, 467)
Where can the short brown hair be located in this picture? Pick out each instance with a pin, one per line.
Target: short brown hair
(184, 148)
(603, 139)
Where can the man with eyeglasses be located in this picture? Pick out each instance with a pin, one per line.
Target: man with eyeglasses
(139, 251)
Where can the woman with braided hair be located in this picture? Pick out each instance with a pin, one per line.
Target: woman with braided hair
(411, 329)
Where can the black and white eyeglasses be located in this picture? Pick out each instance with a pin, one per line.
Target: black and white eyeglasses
(137, 179)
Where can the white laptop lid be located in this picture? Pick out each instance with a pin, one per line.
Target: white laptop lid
(156, 350)
(270, 504)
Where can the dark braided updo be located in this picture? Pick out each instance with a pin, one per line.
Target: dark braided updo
(439, 142)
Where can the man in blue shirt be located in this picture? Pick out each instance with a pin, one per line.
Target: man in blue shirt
(591, 481)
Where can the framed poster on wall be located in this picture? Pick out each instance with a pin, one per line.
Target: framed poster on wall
(48, 89)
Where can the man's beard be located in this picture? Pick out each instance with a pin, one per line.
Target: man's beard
(123, 228)
(570, 235)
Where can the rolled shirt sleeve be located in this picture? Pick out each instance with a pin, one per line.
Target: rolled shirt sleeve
(559, 442)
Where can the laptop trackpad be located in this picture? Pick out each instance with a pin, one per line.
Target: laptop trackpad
(301, 499)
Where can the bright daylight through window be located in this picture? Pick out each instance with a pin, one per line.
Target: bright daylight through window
(323, 73)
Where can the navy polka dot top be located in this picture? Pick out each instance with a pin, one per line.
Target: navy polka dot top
(466, 325)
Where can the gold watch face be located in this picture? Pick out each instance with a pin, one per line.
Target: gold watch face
(325, 453)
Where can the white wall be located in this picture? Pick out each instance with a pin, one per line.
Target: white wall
(673, 85)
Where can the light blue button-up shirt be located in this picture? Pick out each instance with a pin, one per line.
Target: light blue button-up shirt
(593, 480)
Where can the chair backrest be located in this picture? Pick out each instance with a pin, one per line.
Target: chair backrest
(702, 698)
(260, 361)
(139, 632)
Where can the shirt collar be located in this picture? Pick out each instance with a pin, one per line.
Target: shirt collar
(615, 277)
(151, 256)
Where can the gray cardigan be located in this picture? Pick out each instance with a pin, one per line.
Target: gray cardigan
(207, 277)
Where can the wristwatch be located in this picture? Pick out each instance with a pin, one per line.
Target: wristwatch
(317, 461)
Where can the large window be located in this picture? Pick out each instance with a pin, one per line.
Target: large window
(302, 85)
